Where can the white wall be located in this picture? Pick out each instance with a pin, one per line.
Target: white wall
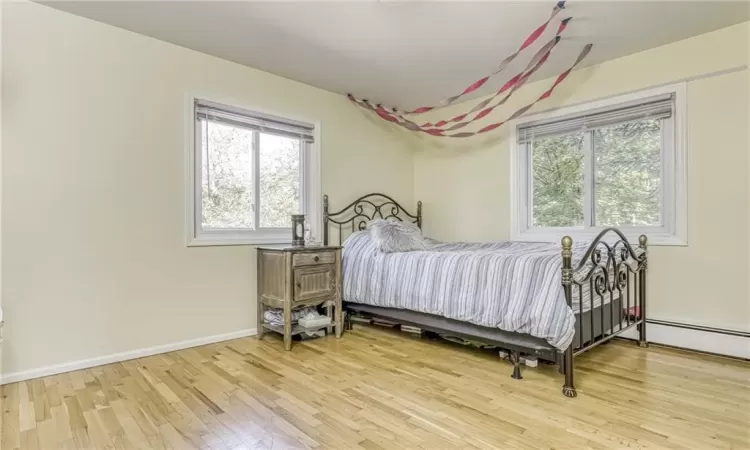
(94, 257)
(465, 185)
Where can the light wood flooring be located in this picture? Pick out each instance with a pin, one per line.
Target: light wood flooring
(379, 388)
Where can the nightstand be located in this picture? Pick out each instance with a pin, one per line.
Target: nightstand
(290, 277)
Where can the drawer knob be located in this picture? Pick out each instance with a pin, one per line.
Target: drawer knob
(316, 259)
(299, 285)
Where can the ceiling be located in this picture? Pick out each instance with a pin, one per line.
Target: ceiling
(406, 54)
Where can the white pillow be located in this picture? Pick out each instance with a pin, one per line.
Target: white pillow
(392, 236)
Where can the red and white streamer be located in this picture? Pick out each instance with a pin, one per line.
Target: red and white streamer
(529, 40)
(480, 82)
(516, 82)
(442, 133)
(545, 95)
(481, 109)
(513, 85)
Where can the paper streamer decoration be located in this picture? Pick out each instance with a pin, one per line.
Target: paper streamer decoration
(440, 132)
(545, 94)
(481, 109)
(503, 64)
(516, 82)
(513, 84)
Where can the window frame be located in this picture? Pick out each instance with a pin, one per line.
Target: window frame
(673, 230)
(310, 185)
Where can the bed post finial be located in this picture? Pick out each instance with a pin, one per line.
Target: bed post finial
(567, 266)
(325, 219)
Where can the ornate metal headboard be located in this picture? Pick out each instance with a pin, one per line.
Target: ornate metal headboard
(366, 208)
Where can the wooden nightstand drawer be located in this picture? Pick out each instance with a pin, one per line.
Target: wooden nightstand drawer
(313, 258)
(314, 282)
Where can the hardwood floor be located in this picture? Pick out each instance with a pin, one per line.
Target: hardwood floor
(378, 388)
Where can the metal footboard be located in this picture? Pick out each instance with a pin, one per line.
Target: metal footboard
(612, 275)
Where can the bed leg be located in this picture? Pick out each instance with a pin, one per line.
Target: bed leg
(569, 388)
(348, 325)
(642, 342)
(515, 358)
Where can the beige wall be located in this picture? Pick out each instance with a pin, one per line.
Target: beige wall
(94, 260)
(465, 185)
(2, 406)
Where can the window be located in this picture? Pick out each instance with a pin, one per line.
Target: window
(248, 173)
(614, 163)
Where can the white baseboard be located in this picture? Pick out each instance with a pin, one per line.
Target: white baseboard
(123, 356)
(692, 339)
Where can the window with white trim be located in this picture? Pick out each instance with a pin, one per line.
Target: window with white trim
(250, 172)
(614, 163)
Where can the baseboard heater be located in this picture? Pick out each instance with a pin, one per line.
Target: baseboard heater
(718, 341)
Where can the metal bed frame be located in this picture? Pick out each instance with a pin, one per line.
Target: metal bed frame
(617, 280)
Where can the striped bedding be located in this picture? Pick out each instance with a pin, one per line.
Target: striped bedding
(514, 286)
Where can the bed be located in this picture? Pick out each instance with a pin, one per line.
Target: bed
(545, 300)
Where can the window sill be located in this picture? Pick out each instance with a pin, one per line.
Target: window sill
(655, 238)
(256, 238)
